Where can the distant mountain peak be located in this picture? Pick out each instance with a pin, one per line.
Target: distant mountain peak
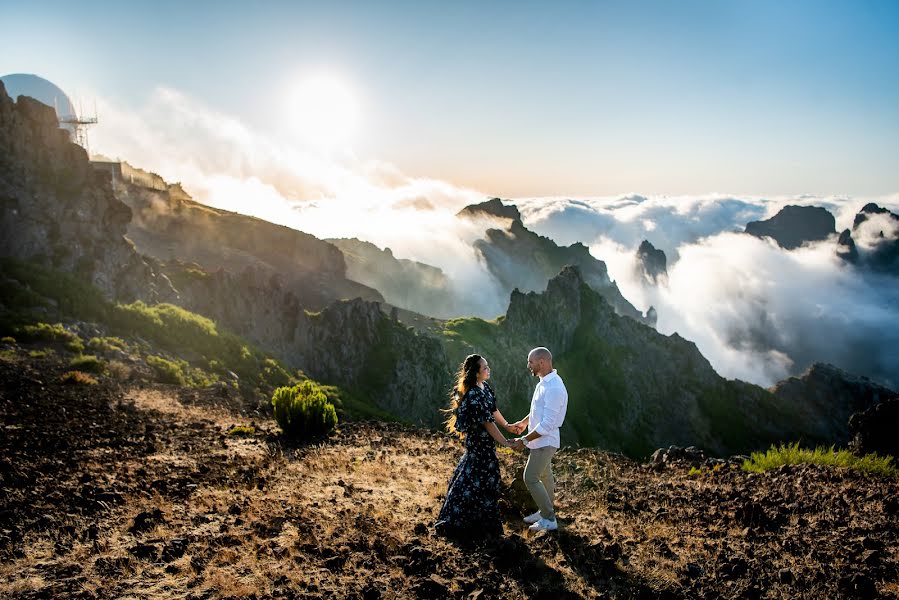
(793, 226)
(493, 207)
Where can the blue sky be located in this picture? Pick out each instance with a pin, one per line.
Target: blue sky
(522, 99)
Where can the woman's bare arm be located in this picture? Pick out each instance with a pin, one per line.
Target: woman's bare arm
(495, 433)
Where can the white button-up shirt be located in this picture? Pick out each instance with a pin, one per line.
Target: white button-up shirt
(548, 406)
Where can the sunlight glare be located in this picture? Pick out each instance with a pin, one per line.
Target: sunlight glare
(324, 110)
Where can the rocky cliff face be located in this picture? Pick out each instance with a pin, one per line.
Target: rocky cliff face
(404, 283)
(827, 397)
(795, 225)
(520, 259)
(58, 212)
(653, 263)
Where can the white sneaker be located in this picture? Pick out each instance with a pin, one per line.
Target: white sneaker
(532, 518)
(544, 525)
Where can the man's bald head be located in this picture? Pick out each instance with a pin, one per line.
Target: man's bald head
(540, 361)
(541, 352)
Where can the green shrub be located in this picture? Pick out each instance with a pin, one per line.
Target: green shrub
(77, 378)
(242, 430)
(792, 454)
(87, 362)
(8, 339)
(166, 370)
(41, 353)
(303, 410)
(48, 333)
(107, 344)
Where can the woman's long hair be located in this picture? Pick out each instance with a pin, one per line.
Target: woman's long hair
(466, 378)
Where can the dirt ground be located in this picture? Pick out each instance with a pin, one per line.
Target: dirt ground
(139, 491)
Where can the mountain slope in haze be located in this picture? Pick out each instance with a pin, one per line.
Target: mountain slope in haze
(520, 259)
(404, 283)
(168, 225)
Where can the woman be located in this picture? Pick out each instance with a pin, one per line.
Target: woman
(471, 504)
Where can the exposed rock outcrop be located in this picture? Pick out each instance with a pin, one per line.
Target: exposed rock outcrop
(846, 247)
(520, 259)
(874, 430)
(876, 229)
(794, 226)
(826, 397)
(653, 263)
(60, 213)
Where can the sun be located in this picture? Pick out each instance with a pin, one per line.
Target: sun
(324, 110)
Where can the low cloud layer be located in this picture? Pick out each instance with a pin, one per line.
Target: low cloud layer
(756, 311)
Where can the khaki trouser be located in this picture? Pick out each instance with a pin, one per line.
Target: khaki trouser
(538, 477)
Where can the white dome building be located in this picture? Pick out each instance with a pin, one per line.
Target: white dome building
(46, 92)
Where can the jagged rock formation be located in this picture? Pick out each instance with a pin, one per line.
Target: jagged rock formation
(405, 283)
(793, 226)
(58, 212)
(826, 397)
(631, 388)
(879, 230)
(167, 224)
(846, 247)
(874, 430)
(522, 260)
(653, 263)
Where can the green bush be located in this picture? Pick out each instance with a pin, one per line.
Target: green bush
(107, 344)
(242, 431)
(8, 340)
(166, 370)
(88, 363)
(303, 410)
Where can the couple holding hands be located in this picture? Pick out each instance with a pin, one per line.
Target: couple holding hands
(471, 506)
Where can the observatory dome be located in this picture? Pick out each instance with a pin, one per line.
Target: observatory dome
(24, 84)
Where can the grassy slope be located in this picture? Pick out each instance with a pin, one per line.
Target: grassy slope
(180, 346)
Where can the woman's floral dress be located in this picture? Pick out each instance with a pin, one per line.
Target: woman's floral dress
(472, 498)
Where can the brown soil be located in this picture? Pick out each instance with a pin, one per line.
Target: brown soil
(138, 491)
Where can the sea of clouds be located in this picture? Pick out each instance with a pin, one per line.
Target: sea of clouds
(756, 311)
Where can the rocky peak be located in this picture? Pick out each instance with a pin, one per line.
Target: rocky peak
(846, 247)
(880, 248)
(795, 225)
(553, 315)
(870, 209)
(653, 262)
(493, 208)
(520, 259)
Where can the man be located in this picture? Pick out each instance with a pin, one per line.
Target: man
(548, 406)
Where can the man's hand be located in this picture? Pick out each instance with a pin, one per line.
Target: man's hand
(518, 445)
